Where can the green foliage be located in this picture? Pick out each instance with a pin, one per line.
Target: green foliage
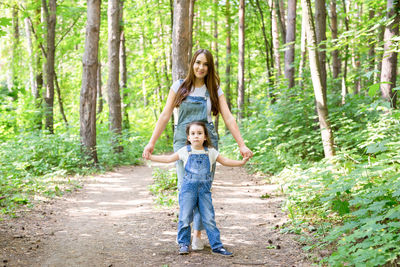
(357, 192)
(164, 187)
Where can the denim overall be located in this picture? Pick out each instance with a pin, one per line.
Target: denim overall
(195, 192)
(192, 108)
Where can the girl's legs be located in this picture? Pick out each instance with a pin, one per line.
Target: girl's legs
(197, 225)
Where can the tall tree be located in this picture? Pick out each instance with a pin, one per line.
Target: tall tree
(32, 80)
(320, 31)
(290, 42)
(123, 69)
(14, 51)
(191, 17)
(275, 38)
(228, 54)
(89, 81)
(303, 51)
(346, 53)
(267, 48)
(50, 16)
(334, 32)
(355, 59)
(114, 97)
(320, 98)
(240, 100)
(180, 42)
(389, 60)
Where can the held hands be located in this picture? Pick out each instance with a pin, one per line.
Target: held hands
(245, 152)
(147, 151)
(244, 160)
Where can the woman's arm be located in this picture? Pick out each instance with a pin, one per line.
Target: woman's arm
(231, 162)
(164, 158)
(230, 122)
(160, 125)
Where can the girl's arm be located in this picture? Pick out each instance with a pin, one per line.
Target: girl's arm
(230, 122)
(160, 125)
(164, 158)
(231, 162)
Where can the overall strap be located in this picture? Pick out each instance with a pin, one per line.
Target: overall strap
(189, 149)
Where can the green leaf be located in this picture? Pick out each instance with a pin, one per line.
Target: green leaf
(341, 207)
(373, 89)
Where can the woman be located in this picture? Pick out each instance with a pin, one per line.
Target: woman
(195, 98)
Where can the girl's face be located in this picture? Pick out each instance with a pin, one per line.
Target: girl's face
(200, 66)
(196, 136)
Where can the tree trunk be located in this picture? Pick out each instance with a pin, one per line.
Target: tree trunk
(267, 49)
(191, 16)
(99, 89)
(50, 14)
(11, 83)
(371, 51)
(334, 32)
(275, 40)
(389, 60)
(38, 68)
(89, 81)
(215, 48)
(240, 100)
(32, 80)
(346, 54)
(303, 51)
(381, 34)
(322, 109)
(60, 102)
(123, 69)
(280, 11)
(180, 41)
(114, 97)
(290, 42)
(355, 55)
(320, 30)
(228, 55)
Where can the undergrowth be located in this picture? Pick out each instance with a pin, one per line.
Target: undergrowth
(164, 188)
(348, 205)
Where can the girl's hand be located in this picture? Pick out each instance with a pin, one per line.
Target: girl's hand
(147, 151)
(245, 152)
(245, 159)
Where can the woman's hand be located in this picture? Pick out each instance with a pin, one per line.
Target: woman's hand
(147, 151)
(245, 151)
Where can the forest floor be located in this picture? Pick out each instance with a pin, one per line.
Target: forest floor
(113, 221)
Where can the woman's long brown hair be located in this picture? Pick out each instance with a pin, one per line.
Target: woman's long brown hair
(211, 80)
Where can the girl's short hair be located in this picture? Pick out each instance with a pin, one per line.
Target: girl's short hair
(206, 143)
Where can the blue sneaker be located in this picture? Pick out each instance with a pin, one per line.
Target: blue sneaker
(221, 251)
(183, 249)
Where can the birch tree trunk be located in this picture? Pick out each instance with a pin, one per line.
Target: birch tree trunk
(290, 42)
(320, 99)
(50, 14)
(240, 100)
(320, 30)
(389, 60)
(180, 41)
(114, 97)
(89, 81)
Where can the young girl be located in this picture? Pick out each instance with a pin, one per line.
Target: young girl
(196, 98)
(198, 157)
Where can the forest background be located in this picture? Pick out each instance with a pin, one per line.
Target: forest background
(313, 85)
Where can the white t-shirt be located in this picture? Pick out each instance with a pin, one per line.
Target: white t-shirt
(212, 154)
(201, 91)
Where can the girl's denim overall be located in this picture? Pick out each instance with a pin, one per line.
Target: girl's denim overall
(195, 192)
(192, 108)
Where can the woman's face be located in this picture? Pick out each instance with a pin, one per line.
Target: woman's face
(200, 66)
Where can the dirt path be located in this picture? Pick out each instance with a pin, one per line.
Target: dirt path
(112, 221)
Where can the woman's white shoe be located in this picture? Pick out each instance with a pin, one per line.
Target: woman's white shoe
(197, 244)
